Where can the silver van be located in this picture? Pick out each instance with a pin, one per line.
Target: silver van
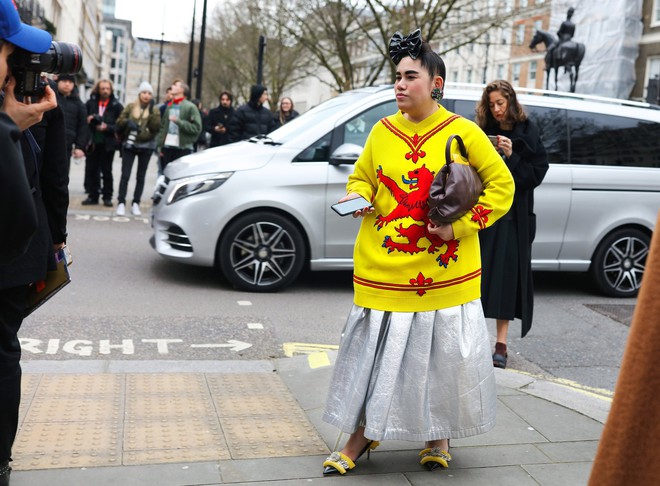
(259, 210)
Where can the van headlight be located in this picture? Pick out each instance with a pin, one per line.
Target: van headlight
(191, 186)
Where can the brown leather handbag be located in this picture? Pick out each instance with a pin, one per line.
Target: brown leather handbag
(455, 189)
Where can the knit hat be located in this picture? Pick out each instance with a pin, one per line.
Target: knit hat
(22, 35)
(144, 86)
(66, 77)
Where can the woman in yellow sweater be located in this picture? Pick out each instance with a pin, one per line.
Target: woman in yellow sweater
(414, 360)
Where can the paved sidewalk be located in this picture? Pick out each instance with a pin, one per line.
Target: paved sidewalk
(250, 422)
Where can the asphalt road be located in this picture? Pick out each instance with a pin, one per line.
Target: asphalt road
(127, 302)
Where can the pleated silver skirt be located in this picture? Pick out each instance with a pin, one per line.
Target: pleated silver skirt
(414, 376)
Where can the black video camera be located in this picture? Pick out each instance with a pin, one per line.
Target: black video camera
(26, 67)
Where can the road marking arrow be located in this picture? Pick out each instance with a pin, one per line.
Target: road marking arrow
(232, 344)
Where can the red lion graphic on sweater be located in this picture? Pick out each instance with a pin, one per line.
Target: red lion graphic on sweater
(413, 204)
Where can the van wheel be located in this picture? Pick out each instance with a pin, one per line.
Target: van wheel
(261, 252)
(619, 262)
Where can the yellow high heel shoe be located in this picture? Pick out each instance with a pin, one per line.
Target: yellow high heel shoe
(340, 463)
(434, 458)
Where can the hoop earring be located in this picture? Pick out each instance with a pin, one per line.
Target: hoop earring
(437, 94)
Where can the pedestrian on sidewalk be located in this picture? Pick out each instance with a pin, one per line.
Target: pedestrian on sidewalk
(219, 118)
(180, 126)
(103, 109)
(286, 113)
(75, 117)
(507, 289)
(252, 118)
(32, 245)
(140, 123)
(414, 362)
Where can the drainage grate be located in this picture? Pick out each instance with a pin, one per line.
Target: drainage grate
(622, 313)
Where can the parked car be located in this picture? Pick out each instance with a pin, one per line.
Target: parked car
(259, 210)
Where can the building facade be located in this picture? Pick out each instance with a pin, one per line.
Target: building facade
(647, 66)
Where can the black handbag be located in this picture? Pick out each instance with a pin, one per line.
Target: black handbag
(455, 189)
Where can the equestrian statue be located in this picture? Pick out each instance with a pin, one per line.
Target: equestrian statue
(561, 51)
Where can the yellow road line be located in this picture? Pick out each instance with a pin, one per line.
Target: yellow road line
(293, 349)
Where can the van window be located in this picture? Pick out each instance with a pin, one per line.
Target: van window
(551, 123)
(319, 151)
(598, 139)
(356, 129)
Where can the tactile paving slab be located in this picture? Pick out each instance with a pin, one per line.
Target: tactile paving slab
(136, 419)
(260, 418)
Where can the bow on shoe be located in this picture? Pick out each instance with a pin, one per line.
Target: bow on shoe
(410, 45)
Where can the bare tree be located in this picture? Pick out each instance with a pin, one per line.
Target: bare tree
(232, 49)
(349, 38)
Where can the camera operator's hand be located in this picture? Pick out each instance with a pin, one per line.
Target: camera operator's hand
(26, 113)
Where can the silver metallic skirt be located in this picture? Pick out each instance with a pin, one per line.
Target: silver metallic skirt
(414, 376)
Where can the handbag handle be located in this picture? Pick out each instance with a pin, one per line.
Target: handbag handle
(461, 147)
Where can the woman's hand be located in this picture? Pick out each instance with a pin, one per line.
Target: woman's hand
(444, 231)
(26, 113)
(505, 145)
(361, 212)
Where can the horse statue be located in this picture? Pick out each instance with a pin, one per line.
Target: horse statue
(568, 54)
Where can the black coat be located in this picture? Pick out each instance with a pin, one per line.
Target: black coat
(219, 115)
(287, 118)
(507, 290)
(18, 214)
(110, 116)
(75, 121)
(249, 121)
(47, 173)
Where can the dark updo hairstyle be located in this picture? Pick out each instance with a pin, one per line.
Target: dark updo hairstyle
(432, 61)
(514, 114)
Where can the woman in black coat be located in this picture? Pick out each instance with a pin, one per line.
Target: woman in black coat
(507, 291)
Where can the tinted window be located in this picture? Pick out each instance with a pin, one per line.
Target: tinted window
(319, 151)
(551, 123)
(598, 139)
(356, 129)
(465, 108)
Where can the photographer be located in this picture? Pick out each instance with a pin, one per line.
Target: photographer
(140, 123)
(103, 109)
(23, 218)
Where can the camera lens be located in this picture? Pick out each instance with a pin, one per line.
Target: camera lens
(62, 58)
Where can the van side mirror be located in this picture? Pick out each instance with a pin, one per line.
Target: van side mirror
(346, 153)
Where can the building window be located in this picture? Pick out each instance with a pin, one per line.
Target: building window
(652, 84)
(520, 34)
(469, 75)
(454, 76)
(538, 25)
(516, 73)
(500, 71)
(532, 74)
(508, 5)
(523, 3)
(656, 13)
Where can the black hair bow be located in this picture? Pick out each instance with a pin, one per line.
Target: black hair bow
(410, 45)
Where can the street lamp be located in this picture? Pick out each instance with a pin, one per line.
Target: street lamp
(200, 62)
(487, 43)
(160, 64)
(191, 51)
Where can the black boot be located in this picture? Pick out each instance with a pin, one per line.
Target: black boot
(5, 471)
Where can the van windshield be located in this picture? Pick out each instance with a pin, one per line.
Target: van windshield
(312, 117)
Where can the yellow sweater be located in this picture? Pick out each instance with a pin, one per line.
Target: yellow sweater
(399, 265)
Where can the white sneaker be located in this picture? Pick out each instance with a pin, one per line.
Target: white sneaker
(121, 209)
(135, 209)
